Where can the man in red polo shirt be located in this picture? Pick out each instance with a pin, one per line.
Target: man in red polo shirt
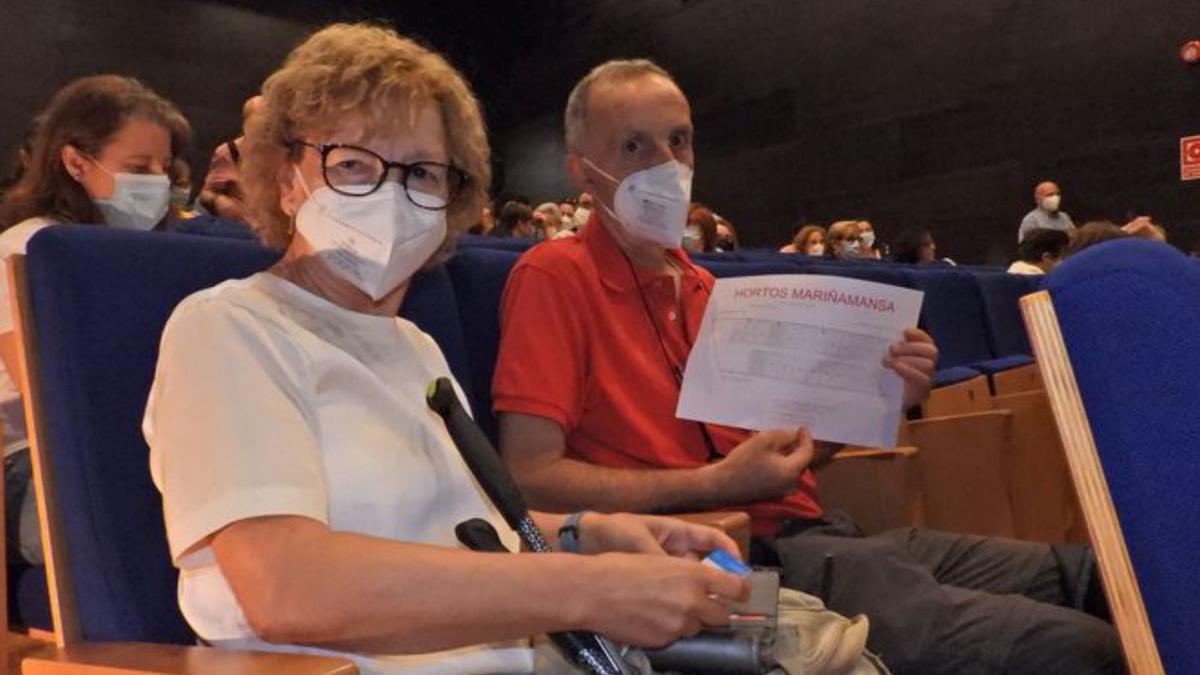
(595, 333)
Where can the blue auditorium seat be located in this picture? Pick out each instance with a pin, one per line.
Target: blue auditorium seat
(99, 299)
(1002, 294)
(495, 243)
(479, 275)
(952, 312)
(210, 226)
(1129, 312)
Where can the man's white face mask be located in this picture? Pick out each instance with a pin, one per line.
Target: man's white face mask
(652, 203)
(375, 242)
(1051, 203)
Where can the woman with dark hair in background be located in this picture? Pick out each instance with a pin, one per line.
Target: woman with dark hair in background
(100, 154)
(914, 246)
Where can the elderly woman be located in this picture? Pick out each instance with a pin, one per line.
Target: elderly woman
(310, 497)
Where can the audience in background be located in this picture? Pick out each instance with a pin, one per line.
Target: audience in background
(1092, 233)
(20, 161)
(1144, 227)
(515, 222)
(700, 233)
(181, 190)
(487, 221)
(567, 208)
(809, 240)
(1040, 252)
(843, 240)
(1047, 213)
(547, 222)
(583, 211)
(914, 246)
(101, 154)
(870, 247)
(222, 194)
(727, 239)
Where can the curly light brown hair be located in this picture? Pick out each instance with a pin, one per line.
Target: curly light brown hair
(372, 73)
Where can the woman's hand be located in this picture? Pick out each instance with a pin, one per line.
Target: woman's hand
(650, 601)
(655, 535)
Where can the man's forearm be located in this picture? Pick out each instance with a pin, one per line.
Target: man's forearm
(570, 485)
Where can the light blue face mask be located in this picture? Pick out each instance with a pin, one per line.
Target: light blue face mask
(139, 201)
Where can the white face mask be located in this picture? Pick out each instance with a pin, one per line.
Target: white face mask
(375, 242)
(652, 203)
(1051, 203)
(692, 239)
(139, 201)
(581, 217)
(850, 249)
(816, 249)
(868, 238)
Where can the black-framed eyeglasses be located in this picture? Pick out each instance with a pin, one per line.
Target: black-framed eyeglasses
(357, 172)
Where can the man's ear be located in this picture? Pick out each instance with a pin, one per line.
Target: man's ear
(73, 161)
(579, 178)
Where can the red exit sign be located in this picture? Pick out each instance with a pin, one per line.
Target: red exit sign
(1189, 158)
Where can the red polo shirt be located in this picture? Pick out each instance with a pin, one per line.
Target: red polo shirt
(577, 346)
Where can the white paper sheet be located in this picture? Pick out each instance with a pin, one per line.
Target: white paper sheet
(782, 351)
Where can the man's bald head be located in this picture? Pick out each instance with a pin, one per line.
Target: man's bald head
(1045, 189)
(607, 73)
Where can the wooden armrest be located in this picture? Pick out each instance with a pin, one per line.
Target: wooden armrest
(858, 452)
(878, 487)
(137, 658)
(736, 524)
(1045, 506)
(969, 396)
(964, 471)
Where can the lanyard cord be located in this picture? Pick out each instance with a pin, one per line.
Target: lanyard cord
(713, 455)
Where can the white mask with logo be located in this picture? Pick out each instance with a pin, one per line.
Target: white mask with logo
(375, 242)
(652, 203)
(139, 201)
(1051, 203)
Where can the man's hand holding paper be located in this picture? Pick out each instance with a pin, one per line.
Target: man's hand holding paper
(807, 350)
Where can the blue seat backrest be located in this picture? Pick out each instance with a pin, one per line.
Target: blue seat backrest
(1130, 316)
(211, 226)
(100, 298)
(431, 304)
(495, 243)
(1002, 294)
(867, 271)
(952, 312)
(479, 275)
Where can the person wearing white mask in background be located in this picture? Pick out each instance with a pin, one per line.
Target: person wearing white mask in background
(310, 495)
(100, 155)
(583, 211)
(866, 233)
(844, 241)
(1047, 215)
(808, 240)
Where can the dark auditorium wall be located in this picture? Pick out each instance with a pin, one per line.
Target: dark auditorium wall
(207, 56)
(941, 113)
